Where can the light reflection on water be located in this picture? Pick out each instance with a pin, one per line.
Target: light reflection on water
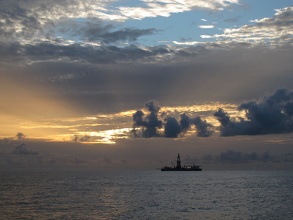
(147, 195)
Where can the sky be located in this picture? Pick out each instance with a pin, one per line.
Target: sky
(114, 84)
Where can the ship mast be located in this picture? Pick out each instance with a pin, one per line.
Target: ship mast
(178, 162)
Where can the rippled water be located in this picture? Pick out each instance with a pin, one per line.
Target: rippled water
(147, 195)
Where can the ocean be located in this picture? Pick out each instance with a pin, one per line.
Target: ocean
(147, 195)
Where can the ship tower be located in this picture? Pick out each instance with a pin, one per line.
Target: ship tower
(178, 162)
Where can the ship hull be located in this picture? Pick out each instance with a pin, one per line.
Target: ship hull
(180, 169)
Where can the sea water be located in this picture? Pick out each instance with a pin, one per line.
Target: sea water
(147, 195)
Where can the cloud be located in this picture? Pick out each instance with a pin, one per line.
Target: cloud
(206, 26)
(127, 34)
(203, 128)
(23, 150)
(55, 52)
(83, 138)
(99, 31)
(166, 7)
(206, 36)
(150, 123)
(30, 19)
(172, 128)
(271, 114)
(186, 43)
(273, 31)
(20, 136)
(34, 21)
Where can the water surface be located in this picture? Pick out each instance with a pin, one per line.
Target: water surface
(147, 195)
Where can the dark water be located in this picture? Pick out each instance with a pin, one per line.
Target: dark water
(146, 195)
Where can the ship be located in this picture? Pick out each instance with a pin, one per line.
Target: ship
(178, 167)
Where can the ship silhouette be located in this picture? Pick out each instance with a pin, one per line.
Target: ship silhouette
(178, 167)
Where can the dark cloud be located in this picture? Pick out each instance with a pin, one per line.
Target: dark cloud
(59, 53)
(269, 115)
(20, 135)
(14, 16)
(83, 138)
(150, 123)
(23, 150)
(99, 31)
(184, 122)
(172, 128)
(203, 128)
(127, 34)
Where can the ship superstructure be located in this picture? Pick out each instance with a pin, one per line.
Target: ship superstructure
(178, 167)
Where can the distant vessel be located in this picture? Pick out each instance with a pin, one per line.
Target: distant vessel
(179, 168)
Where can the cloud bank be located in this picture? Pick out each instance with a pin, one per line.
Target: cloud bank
(271, 114)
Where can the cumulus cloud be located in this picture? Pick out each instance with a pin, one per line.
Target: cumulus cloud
(203, 128)
(271, 114)
(83, 138)
(151, 124)
(23, 150)
(20, 135)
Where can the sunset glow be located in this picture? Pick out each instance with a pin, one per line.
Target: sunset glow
(123, 77)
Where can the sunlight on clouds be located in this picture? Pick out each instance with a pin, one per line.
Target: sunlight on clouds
(106, 136)
(110, 128)
(193, 109)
